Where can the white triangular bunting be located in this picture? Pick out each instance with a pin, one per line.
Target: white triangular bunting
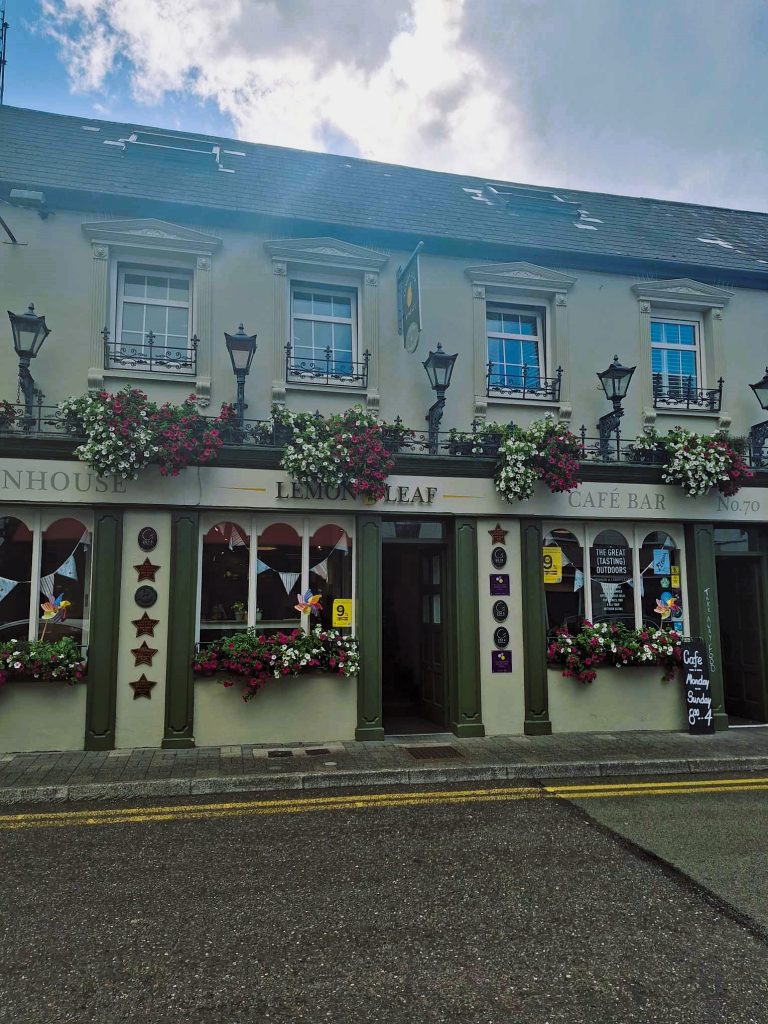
(261, 566)
(578, 580)
(341, 544)
(235, 539)
(289, 580)
(46, 586)
(609, 591)
(321, 569)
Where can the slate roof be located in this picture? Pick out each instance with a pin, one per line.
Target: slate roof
(48, 151)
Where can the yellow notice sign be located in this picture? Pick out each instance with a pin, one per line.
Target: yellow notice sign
(553, 565)
(342, 611)
(675, 577)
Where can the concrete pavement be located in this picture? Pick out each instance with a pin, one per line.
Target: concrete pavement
(128, 774)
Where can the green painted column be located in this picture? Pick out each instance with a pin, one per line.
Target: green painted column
(534, 616)
(179, 685)
(105, 613)
(704, 608)
(466, 709)
(369, 723)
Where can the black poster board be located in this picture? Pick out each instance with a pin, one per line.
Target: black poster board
(698, 694)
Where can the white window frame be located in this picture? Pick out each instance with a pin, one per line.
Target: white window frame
(677, 317)
(160, 268)
(254, 525)
(37, 522)
(634, 533)
(540, 313)
(330, 287)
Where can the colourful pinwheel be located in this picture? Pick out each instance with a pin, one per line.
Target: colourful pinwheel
(309, 603)
(665, 606)
(55, 610)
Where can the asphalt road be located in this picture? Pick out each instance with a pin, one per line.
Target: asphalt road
(495, 909)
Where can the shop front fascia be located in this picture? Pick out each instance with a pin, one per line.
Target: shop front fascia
(480, 698)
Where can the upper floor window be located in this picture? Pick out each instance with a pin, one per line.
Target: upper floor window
(324, 336)
(676, 359)
(153, 321)
(515, 348)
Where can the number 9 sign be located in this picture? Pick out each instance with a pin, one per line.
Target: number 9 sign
(342, 612)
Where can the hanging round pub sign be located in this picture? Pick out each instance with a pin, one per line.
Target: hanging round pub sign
(501, 636)
(499, 558)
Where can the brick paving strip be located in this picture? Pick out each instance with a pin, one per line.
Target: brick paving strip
(123, 774)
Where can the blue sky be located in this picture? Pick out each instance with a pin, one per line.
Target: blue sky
(666, 98)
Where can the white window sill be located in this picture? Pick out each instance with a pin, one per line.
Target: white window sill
(528, 403)
(318, 386)
(680, 410)
(163, 375)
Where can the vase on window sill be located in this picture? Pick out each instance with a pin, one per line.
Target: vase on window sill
(257, 615)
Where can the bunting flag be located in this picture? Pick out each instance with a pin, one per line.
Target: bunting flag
(68, 568)
(261, 566)
(341, 544)
(46, 586)
(289, 580)
(321, 569)
(235, 539)
(578, 580)
(85, 540)
(6, 586)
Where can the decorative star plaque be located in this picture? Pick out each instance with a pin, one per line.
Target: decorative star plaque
(143, 654)
(145, 626)
(497, 534)
(146, 570)
(143, 687)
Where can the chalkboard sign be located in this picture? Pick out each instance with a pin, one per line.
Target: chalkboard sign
(698, 695)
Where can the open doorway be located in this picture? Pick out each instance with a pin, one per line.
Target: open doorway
(413, 627)
(741, 589)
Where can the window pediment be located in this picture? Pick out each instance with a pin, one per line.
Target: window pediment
(328, 252)
(151, 233)
(522, 276)
(682, 291)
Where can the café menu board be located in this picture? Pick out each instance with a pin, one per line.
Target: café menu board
(698, 693)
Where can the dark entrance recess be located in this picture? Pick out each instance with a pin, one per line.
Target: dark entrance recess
(414, 685)
(742, 585)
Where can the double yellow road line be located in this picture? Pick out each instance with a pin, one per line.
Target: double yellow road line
(373, 801)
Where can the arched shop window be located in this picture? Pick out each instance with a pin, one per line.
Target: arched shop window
(15, 576)
(278, 575)
(65, 575)
(45, 574)
(224, 580)
(563, 562)
(330, 568)
(661, 594)
(255, 571)
(632, 576)
(611, 576)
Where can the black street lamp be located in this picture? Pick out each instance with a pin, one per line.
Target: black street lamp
(439, 367)
(615, 381)
(758, 434)
(29, 333)
(241, 347)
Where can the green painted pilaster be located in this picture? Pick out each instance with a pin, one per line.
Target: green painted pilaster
(534, 616)
(369, 723)
(105, 613)
(466, 710)
(179, 686)
(704, 608)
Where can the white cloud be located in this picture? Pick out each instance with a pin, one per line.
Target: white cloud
(293, 74)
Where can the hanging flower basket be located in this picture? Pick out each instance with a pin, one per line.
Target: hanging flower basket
(259, 659)
(126, 432)
(546, 451)
(8, 415)
(614, 644)
(697, 462)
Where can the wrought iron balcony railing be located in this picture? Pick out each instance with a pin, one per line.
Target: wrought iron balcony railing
(476, 443)
(150, 356)
(682, 393)
(328, 369)
(523, 383)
